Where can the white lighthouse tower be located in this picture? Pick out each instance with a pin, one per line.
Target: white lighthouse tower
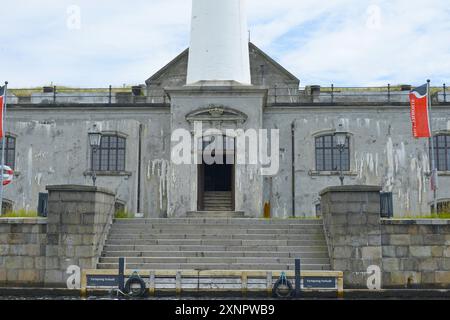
(219, 42)
(219, 95)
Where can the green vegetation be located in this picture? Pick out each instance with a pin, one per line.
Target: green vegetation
(305, 218)
(22, 213)
(27, 92)
(445, 215)
(123, 214)
(293, 218)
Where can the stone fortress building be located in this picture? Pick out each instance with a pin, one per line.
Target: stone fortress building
(226, 83)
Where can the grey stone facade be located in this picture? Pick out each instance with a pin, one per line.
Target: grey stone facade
(52, 142)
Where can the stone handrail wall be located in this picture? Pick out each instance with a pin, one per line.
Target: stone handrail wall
(78, 217)
(351, 217)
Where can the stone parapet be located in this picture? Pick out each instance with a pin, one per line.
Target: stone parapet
(37, 252)
(412, 253)
(79, 218)
(351, 217)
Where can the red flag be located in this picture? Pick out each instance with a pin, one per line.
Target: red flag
(2, 93)
(419, 112)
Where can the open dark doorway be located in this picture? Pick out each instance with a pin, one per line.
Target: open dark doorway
(218, 177)
(216, 187)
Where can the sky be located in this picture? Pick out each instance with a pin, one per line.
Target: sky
(95, 43)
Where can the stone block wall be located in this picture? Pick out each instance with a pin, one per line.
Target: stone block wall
(416, 253)
(410, 253)
(36, 252)
(22, 251)
(351, 217)
(79, 218)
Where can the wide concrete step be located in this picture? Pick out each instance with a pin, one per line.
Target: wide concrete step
(205, 248)
(200, 242)
(189, 226)
(304, 254)
(226, 205)
(215, 202)
(145, 236)
(213, 266)
(217, 208)
(226, 196)
(217, 198)
(215, 260)
(217, 193)
(218, 221)
(182, 232)
(215, 212)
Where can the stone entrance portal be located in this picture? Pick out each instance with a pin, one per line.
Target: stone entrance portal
(219, 107)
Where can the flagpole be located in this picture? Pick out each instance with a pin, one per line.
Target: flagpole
(434, 176)
(3, 146)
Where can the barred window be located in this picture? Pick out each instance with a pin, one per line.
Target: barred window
(442, 151)
(10, 151)
(110, 156)
(327, 154)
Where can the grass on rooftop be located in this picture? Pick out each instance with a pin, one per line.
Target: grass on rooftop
(445, 215)
(26, 92)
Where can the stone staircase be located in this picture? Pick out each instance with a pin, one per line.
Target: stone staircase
(217, 201)
(215, 244)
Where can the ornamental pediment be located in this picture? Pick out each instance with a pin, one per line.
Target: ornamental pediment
(217, 113)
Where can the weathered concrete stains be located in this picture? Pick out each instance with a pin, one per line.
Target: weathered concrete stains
(30, 166)
(390, 170)
(159, 168)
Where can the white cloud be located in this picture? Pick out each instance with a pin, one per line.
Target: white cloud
(343, 41)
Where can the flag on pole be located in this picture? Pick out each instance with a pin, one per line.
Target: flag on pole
(420, 117)
(2, 99)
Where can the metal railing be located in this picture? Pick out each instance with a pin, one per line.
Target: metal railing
(277, 95)
(64, 95)
(350, 95)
